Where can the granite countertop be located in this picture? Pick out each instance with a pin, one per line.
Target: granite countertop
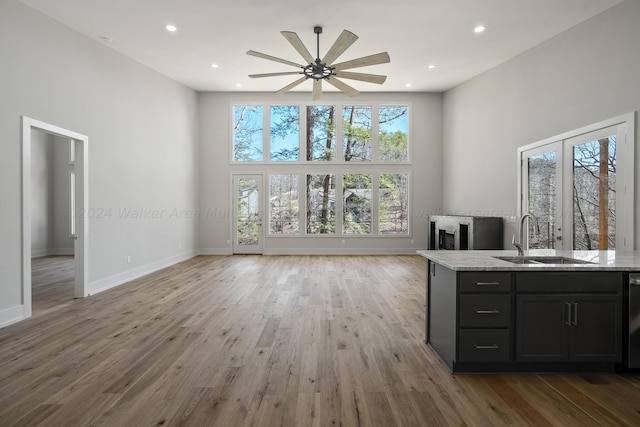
(483, 260)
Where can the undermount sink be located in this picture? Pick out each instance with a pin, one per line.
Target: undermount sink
(541, 260)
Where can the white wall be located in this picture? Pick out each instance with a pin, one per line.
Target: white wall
(142, 130)
(41, 193)
(587, 74)
(215, 174)
(49, 195)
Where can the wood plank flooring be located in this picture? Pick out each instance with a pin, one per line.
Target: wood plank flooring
(271, 341)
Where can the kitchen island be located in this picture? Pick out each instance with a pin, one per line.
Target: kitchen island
(492, 311)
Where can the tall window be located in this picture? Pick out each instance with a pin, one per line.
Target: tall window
(321, 135)
(247, 133)
(321, 202)
(322, 166)
(356, 131)
(284, 204)
(393, 204)
(394, 128)
(285, 133)
(356, 203)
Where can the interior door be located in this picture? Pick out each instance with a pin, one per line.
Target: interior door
(247, 218)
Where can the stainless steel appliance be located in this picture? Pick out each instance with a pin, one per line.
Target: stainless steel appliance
(634, 321)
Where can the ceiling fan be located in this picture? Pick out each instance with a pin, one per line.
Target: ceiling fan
(324, 69)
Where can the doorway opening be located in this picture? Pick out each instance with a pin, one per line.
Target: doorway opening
(53, 207)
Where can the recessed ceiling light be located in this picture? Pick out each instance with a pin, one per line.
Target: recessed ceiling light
(238, 85)
(408, 85)
(431, 66)
(479, 29)
(171, 28)
(214, 65)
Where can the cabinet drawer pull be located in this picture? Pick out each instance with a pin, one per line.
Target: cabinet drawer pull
(486, 346)
(568, 320)
(487, 283)
(494, 311)
(575, 314)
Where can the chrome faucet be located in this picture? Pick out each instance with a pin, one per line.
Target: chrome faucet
(518, 244)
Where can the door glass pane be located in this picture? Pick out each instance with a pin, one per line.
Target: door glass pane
(594, 194)
(283, 204)
(248, 214)
(542, 199)
(356, 203)
(321, 204)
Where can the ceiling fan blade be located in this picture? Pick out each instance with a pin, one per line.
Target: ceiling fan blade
(273, 58)
(342, 86)
(342, 43)
(378, 58)
(286, 73)
(298, 45)
(371, 78)
(317, 90)
(290, 86)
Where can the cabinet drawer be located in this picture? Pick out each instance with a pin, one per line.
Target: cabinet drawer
(485, 282)
(483, 345)
(485, 311)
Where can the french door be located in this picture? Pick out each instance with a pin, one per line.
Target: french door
(248, 216)
(580, 188)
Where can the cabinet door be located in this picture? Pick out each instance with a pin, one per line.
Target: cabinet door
(596, 332)
(542, 328)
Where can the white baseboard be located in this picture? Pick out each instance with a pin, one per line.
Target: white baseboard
(340, 251)
(37, 253)
(11, 315)
(129, 275)
(215, 251)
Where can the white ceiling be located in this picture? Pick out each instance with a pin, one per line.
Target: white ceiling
(416, 33)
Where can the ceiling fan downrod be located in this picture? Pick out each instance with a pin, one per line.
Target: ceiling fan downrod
(318, 70)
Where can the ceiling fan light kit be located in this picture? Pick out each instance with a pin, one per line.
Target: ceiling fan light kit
(324, 69)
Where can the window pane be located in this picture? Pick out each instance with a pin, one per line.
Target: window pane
(247, 133)
(320, 133)
(393, 206)
(285, 133)
(283, 204)
(594, 194)
(356, 203)
(394, 130)
(356, 129)
(542, 200)
(321, 216)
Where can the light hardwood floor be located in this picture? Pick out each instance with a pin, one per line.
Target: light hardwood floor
(273, 341)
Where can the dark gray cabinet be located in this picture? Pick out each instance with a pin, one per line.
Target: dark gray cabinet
(509, 321)
(558, 321)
